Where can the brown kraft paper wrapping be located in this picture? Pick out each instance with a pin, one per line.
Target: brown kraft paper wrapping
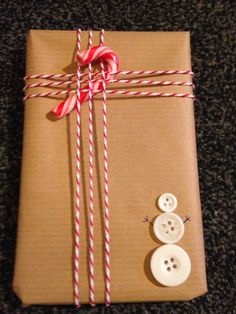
(151, 150)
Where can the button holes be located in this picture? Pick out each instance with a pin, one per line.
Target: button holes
(164, 225)
(168, 268)
(175, 266)
(169, 222)
(172, 260)
(172, 228)
(165, 204)
(165, 262)
(167, 199)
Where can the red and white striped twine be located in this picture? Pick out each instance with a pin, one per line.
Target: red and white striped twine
(149, 73)
(91, 207)
(106, 194)
(145, 82)
(97, 83)
(77, 204)
(113, 92)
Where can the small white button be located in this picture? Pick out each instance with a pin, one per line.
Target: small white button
(170, 265)
(167, 202)
(168, 228)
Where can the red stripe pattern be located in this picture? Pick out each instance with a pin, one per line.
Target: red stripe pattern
(106, 194)
(91, 207)
(120, 72)
(77, 203)
(113, 92)
(145, 82)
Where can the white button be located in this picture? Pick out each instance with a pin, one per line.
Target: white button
(168, 228)
(167, 202)
(170, 265)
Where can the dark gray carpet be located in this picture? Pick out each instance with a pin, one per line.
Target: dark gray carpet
(212, 32)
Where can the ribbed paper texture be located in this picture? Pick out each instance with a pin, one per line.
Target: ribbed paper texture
(151, 150)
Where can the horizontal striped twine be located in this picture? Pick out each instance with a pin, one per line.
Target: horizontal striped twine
(149, 73)
(77, 94)
(111, 92)
(146, 82)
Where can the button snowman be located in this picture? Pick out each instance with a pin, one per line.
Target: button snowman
(170, 264)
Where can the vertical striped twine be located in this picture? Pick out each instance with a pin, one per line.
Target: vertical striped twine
(106, 220)
(91, 207)
(77, 205)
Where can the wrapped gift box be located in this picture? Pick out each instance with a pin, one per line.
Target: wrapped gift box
(151, 150)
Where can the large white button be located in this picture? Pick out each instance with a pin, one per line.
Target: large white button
(170, 265)
(168, 228)
(167, 202)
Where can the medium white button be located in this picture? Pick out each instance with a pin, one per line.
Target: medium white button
(168, 228)
(170, 265)
(167, 202)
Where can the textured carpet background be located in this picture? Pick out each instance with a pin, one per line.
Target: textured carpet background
(213, 42)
